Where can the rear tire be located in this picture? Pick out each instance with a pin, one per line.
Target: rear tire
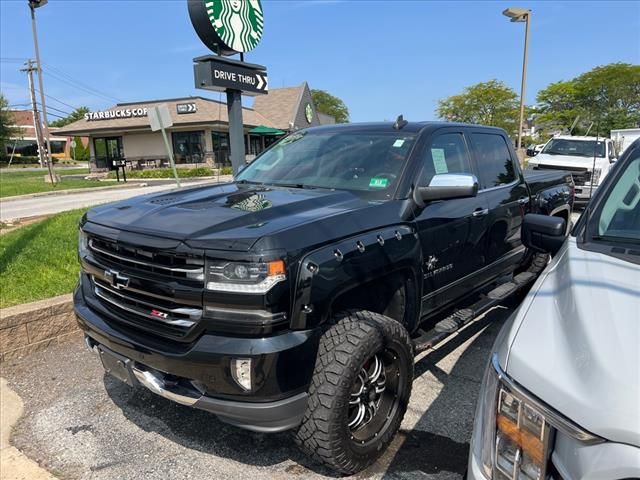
(359, 392)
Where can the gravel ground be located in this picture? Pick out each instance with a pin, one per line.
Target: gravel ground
(81, 424)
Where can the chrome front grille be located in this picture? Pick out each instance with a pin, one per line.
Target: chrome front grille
(581, 176)
(157, 291)
(163, 263)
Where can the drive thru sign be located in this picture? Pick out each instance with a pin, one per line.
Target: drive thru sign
(159, 119)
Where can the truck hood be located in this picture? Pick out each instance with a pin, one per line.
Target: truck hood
(227, 217)
(567, 161)
(574, 342)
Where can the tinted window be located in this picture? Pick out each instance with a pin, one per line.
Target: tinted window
(494, 160)
(346, 159)
(445, 154)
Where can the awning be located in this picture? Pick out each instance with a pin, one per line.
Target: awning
(262, 130)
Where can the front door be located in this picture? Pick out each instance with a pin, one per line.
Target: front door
(507, 196)
(107, 149)
(451, 231)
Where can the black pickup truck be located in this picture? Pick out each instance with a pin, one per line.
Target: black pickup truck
(296, 297)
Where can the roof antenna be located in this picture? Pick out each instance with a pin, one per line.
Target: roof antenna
(400, 123)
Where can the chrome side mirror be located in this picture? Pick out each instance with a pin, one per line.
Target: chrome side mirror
(446, 186)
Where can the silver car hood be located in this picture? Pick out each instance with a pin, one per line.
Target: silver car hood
(575, 340)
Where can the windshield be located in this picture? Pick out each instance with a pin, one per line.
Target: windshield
(346, 160)
(580, 148)
(618, 217)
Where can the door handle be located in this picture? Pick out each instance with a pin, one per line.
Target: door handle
(523, 200)
(480, 212)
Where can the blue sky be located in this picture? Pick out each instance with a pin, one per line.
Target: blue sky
(382, 58)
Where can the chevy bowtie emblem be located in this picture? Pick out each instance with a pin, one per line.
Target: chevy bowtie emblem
(116, 279)
(431, 263)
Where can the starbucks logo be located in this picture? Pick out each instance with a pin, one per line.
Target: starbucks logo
(238, 23)
(308, 112)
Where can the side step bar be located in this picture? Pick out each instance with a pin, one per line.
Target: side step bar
(460, 318)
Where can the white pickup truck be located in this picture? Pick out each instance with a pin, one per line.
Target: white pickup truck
(576, 155)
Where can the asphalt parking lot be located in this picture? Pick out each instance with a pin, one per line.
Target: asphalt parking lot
(81, 424)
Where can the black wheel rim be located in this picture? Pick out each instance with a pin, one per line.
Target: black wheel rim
(374, 397)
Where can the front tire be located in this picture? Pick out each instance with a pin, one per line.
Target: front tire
(359, 392)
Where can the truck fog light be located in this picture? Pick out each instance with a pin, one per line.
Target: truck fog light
(241, 372)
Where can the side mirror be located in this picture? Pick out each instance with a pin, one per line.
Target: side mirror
(542, 233)
(446, 186)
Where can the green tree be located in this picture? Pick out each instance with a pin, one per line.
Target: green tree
(77, 114)
(607, 96)
(486, 103)
(80, 153)
(330, 105)
(7, 128)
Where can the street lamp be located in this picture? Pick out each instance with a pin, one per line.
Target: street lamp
(521, 15)
(33, 4)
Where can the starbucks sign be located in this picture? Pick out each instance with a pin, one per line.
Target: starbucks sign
(227, 26)
(308, 112)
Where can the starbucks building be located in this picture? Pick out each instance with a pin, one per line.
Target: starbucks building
(200, 129)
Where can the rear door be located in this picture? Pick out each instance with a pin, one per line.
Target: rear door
(451, 231)
(506, 193)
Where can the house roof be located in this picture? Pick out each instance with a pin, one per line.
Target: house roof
(280, 105)
(208, 112)
(23, 119)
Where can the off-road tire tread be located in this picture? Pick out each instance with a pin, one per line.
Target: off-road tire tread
(343, 346)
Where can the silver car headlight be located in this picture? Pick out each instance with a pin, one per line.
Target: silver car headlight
(83, 243)
(511, 438)
(243, 277)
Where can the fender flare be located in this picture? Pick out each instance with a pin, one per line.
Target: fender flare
(333, 269)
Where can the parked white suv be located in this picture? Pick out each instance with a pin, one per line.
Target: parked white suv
(576, 155)
(560, 397)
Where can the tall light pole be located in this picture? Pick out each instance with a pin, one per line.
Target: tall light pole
(521, 15)
(33, 4)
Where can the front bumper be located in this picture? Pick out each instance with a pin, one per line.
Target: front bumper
(199, 374)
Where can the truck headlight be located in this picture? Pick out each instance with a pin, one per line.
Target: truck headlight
(83, 243)
(596, 176)
(243, 277)
(511, 440)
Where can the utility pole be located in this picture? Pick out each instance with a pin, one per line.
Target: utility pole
(36, 120)
(33, 4)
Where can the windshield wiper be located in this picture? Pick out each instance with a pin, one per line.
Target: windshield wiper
(614, 238)
(247, 182)
(290, 185)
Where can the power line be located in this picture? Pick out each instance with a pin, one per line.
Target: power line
(60, 101)
(68, 78)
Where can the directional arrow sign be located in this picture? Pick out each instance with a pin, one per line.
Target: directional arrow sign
(186, 108)
(220, 75)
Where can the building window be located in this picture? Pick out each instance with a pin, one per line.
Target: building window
(220, 142)
(188, 147)
(57, 146)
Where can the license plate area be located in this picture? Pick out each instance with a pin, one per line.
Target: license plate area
(116, 365)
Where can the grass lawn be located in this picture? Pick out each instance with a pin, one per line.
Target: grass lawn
(22, 183)
(168, 172)
(40, 260)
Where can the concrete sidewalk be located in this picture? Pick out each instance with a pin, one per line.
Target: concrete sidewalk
(14, 465)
